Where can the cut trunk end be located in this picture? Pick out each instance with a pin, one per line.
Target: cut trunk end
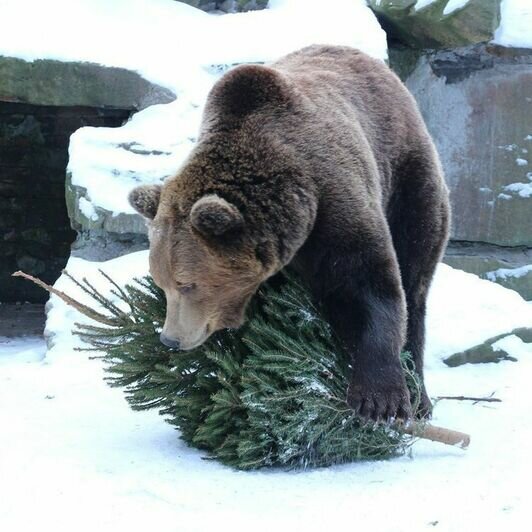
(438, 434)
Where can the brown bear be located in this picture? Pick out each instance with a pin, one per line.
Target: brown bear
(321, 160)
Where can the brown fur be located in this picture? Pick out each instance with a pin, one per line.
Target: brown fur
(321, 159)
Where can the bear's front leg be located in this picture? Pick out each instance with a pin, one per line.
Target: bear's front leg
(365, 304)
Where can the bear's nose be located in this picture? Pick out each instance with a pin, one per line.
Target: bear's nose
(168, 342)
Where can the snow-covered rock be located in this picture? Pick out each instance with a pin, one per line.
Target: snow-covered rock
(439, 23)
(451, 23)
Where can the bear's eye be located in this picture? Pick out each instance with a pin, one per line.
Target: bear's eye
(186, 288)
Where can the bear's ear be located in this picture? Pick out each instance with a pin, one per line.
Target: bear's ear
(145, 200)
(246, 88)
(213, 216)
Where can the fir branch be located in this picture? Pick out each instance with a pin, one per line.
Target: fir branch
(80, 307)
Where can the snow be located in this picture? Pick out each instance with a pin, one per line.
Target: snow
(505, 273)
(464, 310)
(108, 162)
(516, 23)
(180, 49)
(420, 4)
(454, 5)
(175, 35)
(522, 189)
(508, 147)
(87, 208)
(28, 349)
(74, 454)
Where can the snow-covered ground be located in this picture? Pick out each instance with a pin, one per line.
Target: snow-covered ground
(73, 455)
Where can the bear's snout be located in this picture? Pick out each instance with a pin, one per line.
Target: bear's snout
(169, 342)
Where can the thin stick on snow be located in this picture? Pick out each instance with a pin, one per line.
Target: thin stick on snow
(475, 399)
(84, 309)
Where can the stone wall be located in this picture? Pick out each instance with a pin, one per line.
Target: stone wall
(35, 232)
(477, 105)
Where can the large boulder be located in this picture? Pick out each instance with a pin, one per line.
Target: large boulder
(476, 103)
(438, 23)
(50, 82)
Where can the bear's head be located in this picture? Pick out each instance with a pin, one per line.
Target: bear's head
(234, 214)
(202, 260)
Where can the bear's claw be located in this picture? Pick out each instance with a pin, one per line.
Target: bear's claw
(382, 405)
(424, 409)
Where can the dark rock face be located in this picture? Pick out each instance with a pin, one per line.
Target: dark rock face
(41, 104)
(461, 63)
(476, 103)
(35, 233)
(17, 319)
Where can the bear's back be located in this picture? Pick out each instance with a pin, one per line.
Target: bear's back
(335, 78)
(351, 94)
(338, 116)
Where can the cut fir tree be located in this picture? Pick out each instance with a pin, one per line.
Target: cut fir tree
(272, 393)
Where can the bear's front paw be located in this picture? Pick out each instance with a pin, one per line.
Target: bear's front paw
(380, 403)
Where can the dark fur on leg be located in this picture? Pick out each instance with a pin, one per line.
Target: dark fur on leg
(364, 302)
(418, 216)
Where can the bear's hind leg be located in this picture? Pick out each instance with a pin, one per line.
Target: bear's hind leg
(418, 217)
